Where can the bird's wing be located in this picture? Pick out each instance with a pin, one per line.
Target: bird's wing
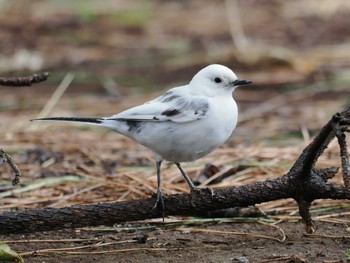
(172, 106)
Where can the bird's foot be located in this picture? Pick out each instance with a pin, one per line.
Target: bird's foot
(159, 203)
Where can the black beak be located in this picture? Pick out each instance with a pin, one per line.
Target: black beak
(239, 82)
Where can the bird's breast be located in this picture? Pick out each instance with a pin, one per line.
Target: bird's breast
(181, 142)
(223, 116)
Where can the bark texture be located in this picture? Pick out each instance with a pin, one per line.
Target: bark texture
(303, 183)
(24, 81)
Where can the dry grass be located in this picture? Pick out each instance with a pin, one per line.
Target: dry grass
(153, 44)
(64, 165)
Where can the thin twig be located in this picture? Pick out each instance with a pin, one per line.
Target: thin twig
(276, 227)
(327, 236)
(73, 240)
(24, 81)
(115, 251)
(7, 159)
(17, 82)
(217, 232)
(282, 259)
(64, 249)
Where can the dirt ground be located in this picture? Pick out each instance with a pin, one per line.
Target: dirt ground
(169, 245)
(123, 54)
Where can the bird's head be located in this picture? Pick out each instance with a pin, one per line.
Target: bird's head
(216, 80)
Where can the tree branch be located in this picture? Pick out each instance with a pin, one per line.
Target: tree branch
(303, 183)
(19, 81)
(24, 81)
(6, 158)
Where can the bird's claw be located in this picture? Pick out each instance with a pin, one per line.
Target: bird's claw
(159, 203)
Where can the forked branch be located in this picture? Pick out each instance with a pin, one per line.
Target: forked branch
(303, 183)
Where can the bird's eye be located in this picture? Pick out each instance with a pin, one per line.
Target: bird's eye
(217, 80)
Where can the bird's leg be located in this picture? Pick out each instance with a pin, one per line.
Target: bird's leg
(188, 180)
(160, 200)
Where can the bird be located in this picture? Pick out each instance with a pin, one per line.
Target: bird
(182, 125)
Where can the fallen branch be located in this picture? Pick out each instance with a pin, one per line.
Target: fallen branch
(24, 81)
(303, 183)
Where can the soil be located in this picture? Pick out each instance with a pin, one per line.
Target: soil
(193, 247)
(296, 53)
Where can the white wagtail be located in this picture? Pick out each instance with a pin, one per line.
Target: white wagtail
(182, 125)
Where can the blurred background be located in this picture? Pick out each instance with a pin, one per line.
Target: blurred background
(106, 56)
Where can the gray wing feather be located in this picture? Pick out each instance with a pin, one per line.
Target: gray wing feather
(169, 107)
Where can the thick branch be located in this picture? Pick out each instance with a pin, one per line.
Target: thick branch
(24, 81)
(303, 167)
(309, 156)
(181, 204)
(303, 183)
(314, 150)
(111, 213)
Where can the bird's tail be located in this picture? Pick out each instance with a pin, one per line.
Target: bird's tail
(89, 120)
(113, 124)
